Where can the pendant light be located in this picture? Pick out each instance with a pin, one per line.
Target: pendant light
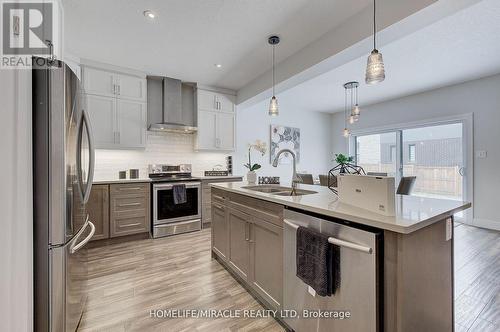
(351, 94)
(352, 119)
(355, 111)
(346, 131)
(273, 104)
(375, 71)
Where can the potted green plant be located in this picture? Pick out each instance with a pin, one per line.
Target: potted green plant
(343, 160)
(260, 147)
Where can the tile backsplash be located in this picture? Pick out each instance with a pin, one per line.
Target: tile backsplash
(166, 148)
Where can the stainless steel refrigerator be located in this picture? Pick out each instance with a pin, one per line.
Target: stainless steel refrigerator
(63, 167)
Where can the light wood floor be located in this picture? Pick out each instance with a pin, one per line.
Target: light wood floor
(477, 279)
(128, 280)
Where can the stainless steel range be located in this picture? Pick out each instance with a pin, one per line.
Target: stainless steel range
(168, 217)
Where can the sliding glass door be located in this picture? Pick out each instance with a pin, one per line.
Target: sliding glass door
(434, 154)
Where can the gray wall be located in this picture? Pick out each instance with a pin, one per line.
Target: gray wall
(315, 139)
(480, 97)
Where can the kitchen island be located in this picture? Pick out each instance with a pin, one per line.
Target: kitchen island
(396, 272)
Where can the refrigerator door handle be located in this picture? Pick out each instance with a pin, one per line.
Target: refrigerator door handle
(85, 190)
(90, 179)
(79, 170)
(75, 248)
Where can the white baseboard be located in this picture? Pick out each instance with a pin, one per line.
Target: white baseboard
(486, 223)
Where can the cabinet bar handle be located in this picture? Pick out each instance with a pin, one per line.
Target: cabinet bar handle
(129, 204)
(338, 242)
(129, 225)
(218, 206)
(250, 240)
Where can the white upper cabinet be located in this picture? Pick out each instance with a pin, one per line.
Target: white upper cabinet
(225, 102)
(98, 82)
(207, 130)
(225, 126)
(116, 103)
(131, 87)
(216, 121)
(102, 112)
(107, 83)
(206, 100)
(130, 120)
(215, 101)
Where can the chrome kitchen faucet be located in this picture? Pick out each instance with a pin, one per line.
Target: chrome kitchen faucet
(295, 178)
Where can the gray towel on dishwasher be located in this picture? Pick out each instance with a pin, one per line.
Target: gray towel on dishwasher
(318, 261)
(179, 191)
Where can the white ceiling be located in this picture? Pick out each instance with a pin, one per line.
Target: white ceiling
(190, 36)
(458, 48)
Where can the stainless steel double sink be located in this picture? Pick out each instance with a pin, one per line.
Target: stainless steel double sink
(279, 190)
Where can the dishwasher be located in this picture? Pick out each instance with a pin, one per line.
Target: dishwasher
(359, 293)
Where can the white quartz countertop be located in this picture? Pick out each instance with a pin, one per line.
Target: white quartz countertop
(232, 177)
(412, 212)
(113, 181)
(200, 177)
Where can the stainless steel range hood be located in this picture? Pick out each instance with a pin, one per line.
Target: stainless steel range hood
(172, 127)
(170, 105)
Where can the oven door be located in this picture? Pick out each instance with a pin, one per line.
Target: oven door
(166, 211)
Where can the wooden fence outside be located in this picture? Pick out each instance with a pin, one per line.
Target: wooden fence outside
(433, 180)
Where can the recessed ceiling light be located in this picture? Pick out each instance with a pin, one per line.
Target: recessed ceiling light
(218, 65)
(149, 14)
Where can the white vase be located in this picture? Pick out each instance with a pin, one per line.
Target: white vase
(252, 177)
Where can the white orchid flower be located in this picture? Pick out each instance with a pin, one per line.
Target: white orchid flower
(259, 146)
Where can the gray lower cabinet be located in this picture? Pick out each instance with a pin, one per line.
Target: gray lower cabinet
(129, 209)
(266, 256)
(219, 230)
(239, 229)
(206, 203)
(119, 209)
(247, 237)
(98, 210)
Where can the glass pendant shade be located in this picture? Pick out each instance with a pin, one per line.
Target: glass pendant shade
(352, 119)
(375, 71)
(356, 111)
(273, 107)
(347, 132)
(273, 104)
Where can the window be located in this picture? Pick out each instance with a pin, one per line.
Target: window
(440, 170)
(357, 151)
(411, 153)
(375, 153)
(438, 163)
(392, 155)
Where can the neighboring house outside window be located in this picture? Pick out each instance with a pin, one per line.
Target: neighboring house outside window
(393, 153)
(411, 153)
